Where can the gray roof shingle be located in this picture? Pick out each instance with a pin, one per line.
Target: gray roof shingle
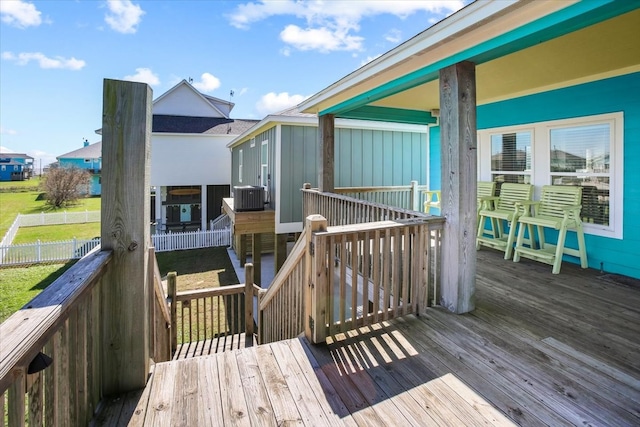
(92, 151)
(207, 125)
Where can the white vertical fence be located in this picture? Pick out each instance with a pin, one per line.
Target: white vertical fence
(32, 253)
(57, 218)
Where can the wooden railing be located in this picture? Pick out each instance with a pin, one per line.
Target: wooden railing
(342, 277)
(281, 307)
(339, 209)
(362, 274)
(411, 197)
(204, 315)
(63, 322)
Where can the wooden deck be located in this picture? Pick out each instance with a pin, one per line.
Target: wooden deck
(539, 349)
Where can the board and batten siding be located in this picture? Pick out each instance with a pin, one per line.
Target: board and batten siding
(364, 157)
(617, 94)
(252, 162)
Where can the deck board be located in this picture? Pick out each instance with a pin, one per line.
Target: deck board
(539, 349)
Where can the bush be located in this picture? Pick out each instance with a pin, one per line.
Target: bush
(65, 186)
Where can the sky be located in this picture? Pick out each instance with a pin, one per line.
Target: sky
(54, 56)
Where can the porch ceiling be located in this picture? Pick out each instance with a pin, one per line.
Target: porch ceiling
(605, 49)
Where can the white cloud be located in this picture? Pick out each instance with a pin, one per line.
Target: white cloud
(321, 39)
(44, 61)
(144, 75)
(4, 149)
(369, 59)
(20, 14)
(332, 26)
(276, 102)
(393, 36)
(4, 131)
(208, 83)
(124, 16)
(242, 91)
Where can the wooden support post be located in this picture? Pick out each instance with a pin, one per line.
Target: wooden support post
(248, 299)
(326, 154)
(256, 258)
(243, 248)
(281, 251)
(172, 285)
(316, 291)
(459, 181)
(126, 139)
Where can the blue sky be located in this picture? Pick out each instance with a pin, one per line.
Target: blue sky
(54, 56)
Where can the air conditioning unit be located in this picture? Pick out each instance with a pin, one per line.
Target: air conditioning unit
(248, 198)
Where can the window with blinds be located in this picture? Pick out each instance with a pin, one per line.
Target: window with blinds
(580, 155)
(511, 157)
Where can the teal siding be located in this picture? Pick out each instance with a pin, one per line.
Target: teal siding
(604, 96)
(364, 157)
(299, 153)
(376, 158)
(251, 164)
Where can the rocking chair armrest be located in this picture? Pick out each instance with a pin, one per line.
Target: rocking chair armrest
(572, 211)
(523, 207)
(488, 202)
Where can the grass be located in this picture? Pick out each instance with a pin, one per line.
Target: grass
(54, 233)
(198, 269)
(13, 186)
(18, 286)
(30, 202)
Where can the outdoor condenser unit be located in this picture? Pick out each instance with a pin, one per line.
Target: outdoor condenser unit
(248, 198)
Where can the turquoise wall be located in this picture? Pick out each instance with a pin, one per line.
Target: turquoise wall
(95, 186)
(604, 96)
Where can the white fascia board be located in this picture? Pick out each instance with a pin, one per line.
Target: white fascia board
(270, 121)
(288, 227)
(456, 25)
(377, 125)
(195, 91)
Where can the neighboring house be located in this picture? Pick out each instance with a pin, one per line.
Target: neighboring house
(280, 154)
(89, 158)
(15, 167)
(556, 87)
(190, 164)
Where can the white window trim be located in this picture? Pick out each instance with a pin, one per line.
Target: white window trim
(540, 162)
(240, 161)
(264, 179)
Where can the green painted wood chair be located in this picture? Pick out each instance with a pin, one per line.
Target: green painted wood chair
(431, 200)
(559, 209)
(499, 210)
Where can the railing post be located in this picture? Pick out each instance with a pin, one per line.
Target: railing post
(316, 279)
(415, 196)
(38, 251)
(126, 144)
(172, 291)
(248, 299)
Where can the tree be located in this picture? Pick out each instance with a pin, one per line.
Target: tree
(64, 186)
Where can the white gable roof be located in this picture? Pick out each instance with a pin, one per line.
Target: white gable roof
(184, 100)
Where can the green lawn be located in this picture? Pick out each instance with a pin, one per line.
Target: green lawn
(18, 286)
(54, 233)
(30, 202)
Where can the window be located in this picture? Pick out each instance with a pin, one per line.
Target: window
(87, 160)
(511, 157)
(240, 160)
(3, 167)
(264, 164)
(585, 151)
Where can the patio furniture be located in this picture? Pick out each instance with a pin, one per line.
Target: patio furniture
(431, 200)
(498, 210)
(558, 209)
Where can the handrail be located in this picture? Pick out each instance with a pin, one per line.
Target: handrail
(410, 197)
(26, 332)
(281, 307)
(360, 274)
(160, 323)
(339, 209)
(196, 314)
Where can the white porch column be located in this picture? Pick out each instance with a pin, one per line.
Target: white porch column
(203, 207)
(158, 209)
